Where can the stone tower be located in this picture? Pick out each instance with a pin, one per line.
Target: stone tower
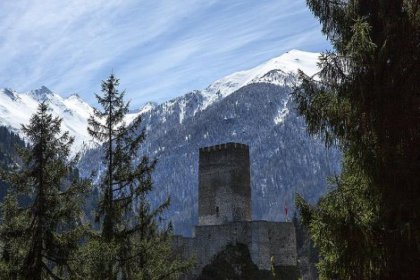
(224, 211)
(224, 184)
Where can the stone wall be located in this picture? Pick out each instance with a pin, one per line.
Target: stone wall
(266, 241)
(273, 241)
(224, 193)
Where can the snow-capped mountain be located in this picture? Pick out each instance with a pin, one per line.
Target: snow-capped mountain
(17, 108)
(281, 71)
(252, 107)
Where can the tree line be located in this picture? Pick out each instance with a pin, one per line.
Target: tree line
(44, 233)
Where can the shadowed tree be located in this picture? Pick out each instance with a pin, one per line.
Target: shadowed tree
(366, 100)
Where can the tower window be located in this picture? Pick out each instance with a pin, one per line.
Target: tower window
(217, 211)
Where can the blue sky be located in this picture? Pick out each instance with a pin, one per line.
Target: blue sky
(158, 49)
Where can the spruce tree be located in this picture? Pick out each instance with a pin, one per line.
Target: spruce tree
(125, 183)
(365, 99)
(40, 227)
(150, 254)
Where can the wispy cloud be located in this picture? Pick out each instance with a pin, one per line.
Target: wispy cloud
(159, 49)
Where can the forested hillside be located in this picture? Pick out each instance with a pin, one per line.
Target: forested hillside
(284, 158)
(9, 141)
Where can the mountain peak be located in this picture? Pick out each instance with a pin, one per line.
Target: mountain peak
(75, 96)
(281, 69)
(41, 94)
(148, 106)
(10, 93)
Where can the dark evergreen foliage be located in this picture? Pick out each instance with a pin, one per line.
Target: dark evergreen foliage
(39, 236)
(366, 101)
(307, 253)
(9, 143)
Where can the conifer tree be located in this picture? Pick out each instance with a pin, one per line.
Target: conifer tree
(40, 227)
(125, 183)
(150, 254)
(365, 99)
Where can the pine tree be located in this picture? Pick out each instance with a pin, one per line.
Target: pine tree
(365, 99)
(40, 227)
(126, 181)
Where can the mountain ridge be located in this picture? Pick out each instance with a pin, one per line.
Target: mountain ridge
(17, 108)
(280, 69)
(253, 106)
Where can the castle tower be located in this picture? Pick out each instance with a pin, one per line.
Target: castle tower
(224, 191)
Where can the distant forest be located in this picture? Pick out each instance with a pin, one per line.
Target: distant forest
(9, 141)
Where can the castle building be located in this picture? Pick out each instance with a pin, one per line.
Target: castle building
(225, 216)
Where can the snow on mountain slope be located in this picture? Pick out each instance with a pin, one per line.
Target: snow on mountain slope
(143, 110)
(278, 71)
(17, 108)
(289, 62)
(284, 65)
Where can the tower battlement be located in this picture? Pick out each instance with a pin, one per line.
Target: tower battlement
(225, 146)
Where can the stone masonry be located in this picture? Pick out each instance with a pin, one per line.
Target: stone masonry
(224, 209)
(224, 192)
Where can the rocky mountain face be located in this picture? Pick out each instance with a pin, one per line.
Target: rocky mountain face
(252, 107)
